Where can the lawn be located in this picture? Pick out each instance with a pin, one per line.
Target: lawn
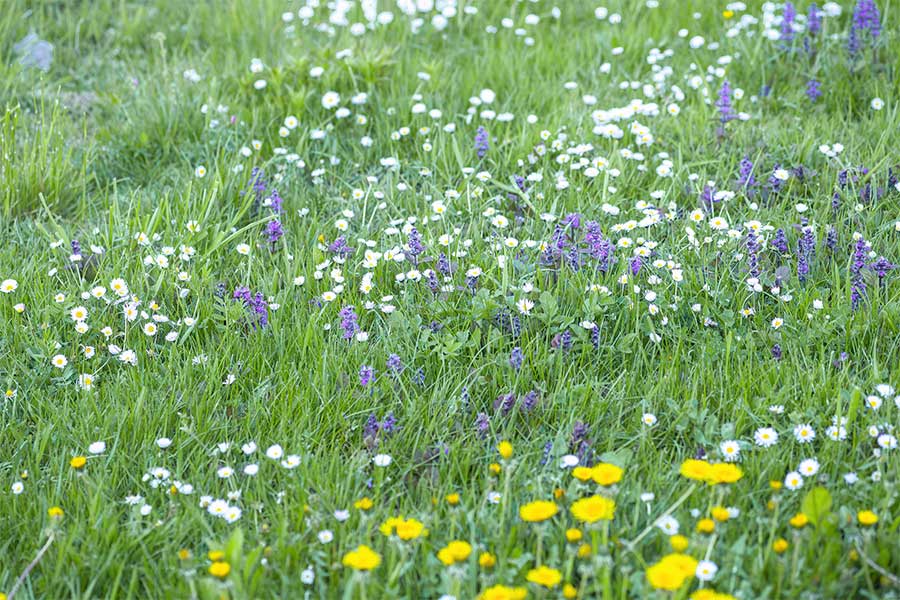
(437, 299)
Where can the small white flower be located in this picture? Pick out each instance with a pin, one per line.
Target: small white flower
(325, 536)
(308, 576)
(163, 442)
(731, 450)
(668, 525)
(97, 448)
(793, 481)
(382, 460)
(706, 570)
(765, 437)
(568, 461)
(808, 467)
(274, 452)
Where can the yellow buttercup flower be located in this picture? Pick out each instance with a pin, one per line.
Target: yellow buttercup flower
(594, 508)
(362, 559)
(573, 535)
(364, 503)
(78, 462)
(505, 449)
(452, 499)
(569, 591)
(584, 550)
(494, 468)
(184, 554)
(780, 545)
(537, 511)
(215, 555)
(55, 512)
(544, 576)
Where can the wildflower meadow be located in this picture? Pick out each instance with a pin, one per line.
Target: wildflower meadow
(449, 299)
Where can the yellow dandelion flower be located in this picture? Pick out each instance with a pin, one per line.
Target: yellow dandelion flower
(573, 535)
(720, 513)
(454, 552)
(362, 559)
(537, 511)
(606, 474)
(220, 569)
(582, 473)
(502, 592)
(799, 521)
(698, 470)
(486, 560)
(544, 576)
(706, 526)
(866, 518)
(679, 543)
(594, 508)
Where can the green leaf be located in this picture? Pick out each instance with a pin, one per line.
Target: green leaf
(816, 505)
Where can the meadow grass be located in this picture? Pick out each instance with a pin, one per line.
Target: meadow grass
(141, 145)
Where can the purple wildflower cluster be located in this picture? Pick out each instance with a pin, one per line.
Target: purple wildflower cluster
(865, 26)
(506, 403)
(349, 322)
(256, 306)
(788, 15)
(857, 284)
(375, 431)
(813, 90)
(482, 143)
(340, 248)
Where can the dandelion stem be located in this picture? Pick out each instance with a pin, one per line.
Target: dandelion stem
(31, 566)
(630, 545)
(871, 563)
